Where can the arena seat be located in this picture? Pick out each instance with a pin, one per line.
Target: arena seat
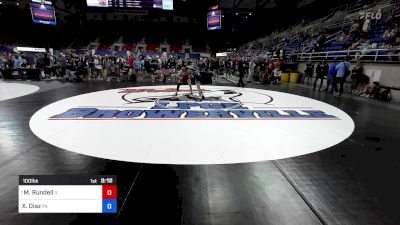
(104, 46)
(129, 46)
(103, 52)
(153, 47)
(198, 49)
(80, 43)
(175, 48)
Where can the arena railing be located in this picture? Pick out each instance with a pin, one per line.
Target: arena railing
(371, 55)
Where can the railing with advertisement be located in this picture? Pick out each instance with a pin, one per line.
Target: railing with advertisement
(370, 55)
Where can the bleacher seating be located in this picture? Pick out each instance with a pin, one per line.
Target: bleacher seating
(106, 42)
(154, 40)
(130, 42)
(131, 39)
(103, 52)
(80, 43)
(198, 45)
(305, 37)
(175, 44)
(104, 46)
(153, 47)
(129, 47)
(198, 48)
(175, 47)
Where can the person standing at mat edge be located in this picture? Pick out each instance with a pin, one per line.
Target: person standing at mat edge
(342, 71)
(321, 71)
(308, 72)
(242, 72)
(331, 76)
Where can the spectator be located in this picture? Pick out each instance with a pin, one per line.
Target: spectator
(342, 71)
(331, 76)
(242, 72)
(98, 65)
(18, 62)
(252, 66)
(63, 64)
(262, 69)
(277, 75)
(308, 72)
(366, 27)
(227, 66)
(364, 50)
(137, 64)
(363, 80)
(372, 90)
(393, 33)
(393, 54)
(356, 74)
(385, 95)
(354, 30)
(321, 71)
(354, 46)
(131, 61)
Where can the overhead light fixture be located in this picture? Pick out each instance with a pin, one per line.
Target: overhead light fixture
(237, 14)
(250, 14)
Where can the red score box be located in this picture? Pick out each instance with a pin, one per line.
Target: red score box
(109, 191)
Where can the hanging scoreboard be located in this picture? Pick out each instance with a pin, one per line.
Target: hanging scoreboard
(214, 20)
(43, 12)
(141, 4)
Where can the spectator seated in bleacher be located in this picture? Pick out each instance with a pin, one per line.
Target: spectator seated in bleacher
(364, 49)
(354, 46)
(392, 33)
(342, 37)
(354, 30)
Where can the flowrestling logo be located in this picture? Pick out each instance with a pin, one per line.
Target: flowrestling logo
(164, 104)
(153, 125)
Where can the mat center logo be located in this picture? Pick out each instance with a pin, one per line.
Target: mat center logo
(154, 124)
(165, 104)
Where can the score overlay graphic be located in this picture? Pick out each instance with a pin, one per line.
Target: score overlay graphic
(67, 194)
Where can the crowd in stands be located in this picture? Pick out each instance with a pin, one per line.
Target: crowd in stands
(360, 35)
(131, 43)
(258, 61)
(359, 38)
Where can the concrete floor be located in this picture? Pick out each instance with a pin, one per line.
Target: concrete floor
(354, 182)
